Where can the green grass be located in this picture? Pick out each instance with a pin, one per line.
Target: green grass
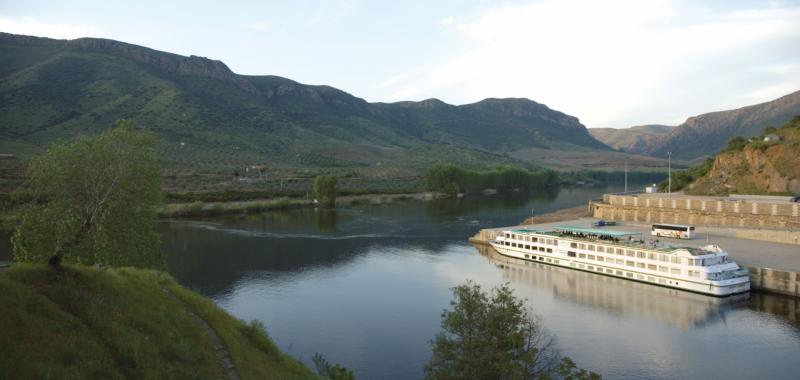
(119, 323)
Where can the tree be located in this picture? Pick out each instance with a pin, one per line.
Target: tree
(94, 201)
(330, 371)
(495, 336)
(325, 189)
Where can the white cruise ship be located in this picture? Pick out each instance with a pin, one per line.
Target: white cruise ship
(704, 270)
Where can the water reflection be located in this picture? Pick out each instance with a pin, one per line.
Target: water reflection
(684, 310)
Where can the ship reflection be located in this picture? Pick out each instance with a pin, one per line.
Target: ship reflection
(682, 309)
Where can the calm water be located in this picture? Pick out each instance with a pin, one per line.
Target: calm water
(366, 286)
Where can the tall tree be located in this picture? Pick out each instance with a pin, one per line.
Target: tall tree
(93, 201)
(325, 189)
(495, 336)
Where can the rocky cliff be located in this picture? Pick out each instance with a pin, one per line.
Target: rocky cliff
(758, 167)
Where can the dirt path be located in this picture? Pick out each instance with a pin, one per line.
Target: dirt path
(223, 356)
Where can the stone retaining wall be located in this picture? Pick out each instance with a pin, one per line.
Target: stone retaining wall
(733, 214)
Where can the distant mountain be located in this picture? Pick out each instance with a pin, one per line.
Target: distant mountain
(630, 139)
(707, 134)
(210, 118)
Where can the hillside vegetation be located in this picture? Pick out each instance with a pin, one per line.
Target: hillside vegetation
(755, 166)
(212, 123)
(123, 323)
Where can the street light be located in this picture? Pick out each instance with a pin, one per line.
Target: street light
(669, 173)
(626, 174)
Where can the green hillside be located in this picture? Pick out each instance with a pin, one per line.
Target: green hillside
(88, 323)
(212, 122)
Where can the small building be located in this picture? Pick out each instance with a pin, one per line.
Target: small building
(771, 138)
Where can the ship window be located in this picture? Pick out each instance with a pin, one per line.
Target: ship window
(591, 257)
(651, 278)
(527, 246)
(570, 254)
(549, 250)
(527, 256)
(541, 249)
(582, 246)
(507, 243)
(640, 277)
(651, 255)
(581, 255)
(640, 254)
(534, 239)
(640, 265)
(662, 281)
(573, 245)
(590, 267)
(600, 259)
(599, 269)
(619, 273)
(620, 251)
(675, 271)
(620, 262)
(663, 268)
(514, 245)
(630, 263)
(663, 257)
(548, 260)
(591, 247)
(555, 242)
(609, 271)
(652, 267)
(573, 264)
(629, 274)
(630, 253)
(676, 260)
(581, 266)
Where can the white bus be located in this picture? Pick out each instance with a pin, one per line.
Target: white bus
(677, 231)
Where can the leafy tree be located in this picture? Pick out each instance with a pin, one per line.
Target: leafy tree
(325, 189)
(330, 371)
(94, 201)
(495, 336)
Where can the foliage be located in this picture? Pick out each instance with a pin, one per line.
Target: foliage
(95, 200)
(331, 371)
(682, 179)
(492, 336)
(735, 144)
(601, 177)
(119, 323)
(451, 179)
(325, 189)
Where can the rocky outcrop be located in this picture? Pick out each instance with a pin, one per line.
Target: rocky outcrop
(756, 169)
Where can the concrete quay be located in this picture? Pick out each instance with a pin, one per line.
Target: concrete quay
(774, 267)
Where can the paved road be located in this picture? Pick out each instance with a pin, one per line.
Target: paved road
(744, 251)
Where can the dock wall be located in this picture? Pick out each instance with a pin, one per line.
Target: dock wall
(708, 211)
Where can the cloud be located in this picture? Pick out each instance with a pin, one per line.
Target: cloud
(34, 27)
(447, 21)
(621, 62)
(258, 26)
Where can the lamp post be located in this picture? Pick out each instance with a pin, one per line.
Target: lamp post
(626, 174)
(669, 173)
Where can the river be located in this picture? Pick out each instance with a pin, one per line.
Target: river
(365, 286)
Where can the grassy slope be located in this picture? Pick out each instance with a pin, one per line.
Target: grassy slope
(119, 323)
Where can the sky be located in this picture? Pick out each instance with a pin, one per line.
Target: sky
(609, 63)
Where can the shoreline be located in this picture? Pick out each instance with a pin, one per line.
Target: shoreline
(198, 208)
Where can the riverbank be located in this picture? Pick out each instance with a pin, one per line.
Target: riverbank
(126, 323)
(198, 208)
